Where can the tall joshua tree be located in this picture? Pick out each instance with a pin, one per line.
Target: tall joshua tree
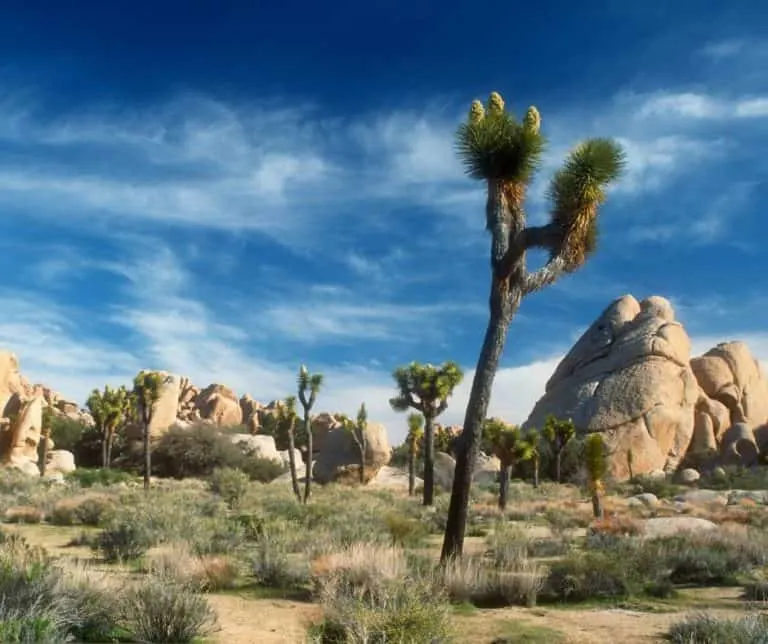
(533, 442)
(309, 387)
(45, 435)
(286, 419)
(147, 387)
(414, 438)
(109, 410)
(558, 433)
(596, 464)
(426, 389)
(357, 429)
(504, 153)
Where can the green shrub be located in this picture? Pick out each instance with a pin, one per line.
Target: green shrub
(124, 540)
(756, 590)
(404, 530)
(230, 484)
(271, 566)
(261, 470)
(93, 510)
(158, 610)
(662, 488)
(67, 433)
(89, 477)
(706, 629)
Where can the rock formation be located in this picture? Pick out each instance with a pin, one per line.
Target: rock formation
(339, 457)
(630, 376)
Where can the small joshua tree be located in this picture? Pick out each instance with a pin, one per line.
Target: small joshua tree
(147, 387)
(509, 446)
(426, 389)
(110, 409)
(533, 442)
(309, 387)
(596, 465)
(285, 421)
(630, 463)
(414, 438)
(357, 431)
(558, 433)
(503, 152)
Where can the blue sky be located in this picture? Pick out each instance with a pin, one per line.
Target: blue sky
(225, 191)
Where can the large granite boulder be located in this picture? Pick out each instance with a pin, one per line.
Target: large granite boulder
(629, 378)
(164, 412)
(340, 455)
(220, 405)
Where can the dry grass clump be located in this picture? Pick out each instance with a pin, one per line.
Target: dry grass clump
(24, 514)
(86, 509)
(178, 562)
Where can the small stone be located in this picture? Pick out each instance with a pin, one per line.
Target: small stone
(646, 499)
(689, 476)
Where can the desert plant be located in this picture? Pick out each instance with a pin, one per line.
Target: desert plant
(630, 463)
(504, 153)
(309, 387)
(230, 484)
(123, 540)
(110, 409)
(285, 420)
(413, 439)
(356, 429)
(532, 439)
(160, 610)
(596, 467)
(147, 387)
(701, 628)
(88, 477)
(426, 389)
(509, 447)
(558, 433)
(45, 435)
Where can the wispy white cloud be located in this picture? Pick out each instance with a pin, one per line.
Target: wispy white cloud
(701, 106)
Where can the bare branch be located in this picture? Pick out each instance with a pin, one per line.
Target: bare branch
(546, 275)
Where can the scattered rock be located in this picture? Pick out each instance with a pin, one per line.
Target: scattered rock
(757, 496)
(646, 499)
(668, 526)
(392, 478)
(340, 454)
(261, 445)
(689, 476)
(702, 497)
(60, 460)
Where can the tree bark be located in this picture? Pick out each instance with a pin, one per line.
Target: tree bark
(508, 284)
(362, 462)
(411, 470)
(503, 486)
(558, 464)
(597, 505)
(429, 460)
(110, 441)
(43, 453)
(292, 465)
(104, 449)
(310, 457)
(535, 473)
(147, 457)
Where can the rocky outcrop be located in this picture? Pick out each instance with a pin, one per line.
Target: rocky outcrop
(631, 378)
(220, 405)
(165, 410)
(340, 458)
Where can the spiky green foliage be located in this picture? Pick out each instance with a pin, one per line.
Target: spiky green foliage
(110, 410)
(493, 145)
(595, 460)
(426, 388)
(147, 388)
(558, 433)
(356, 429)
(286, 420)
(507, 441)
(415, 431)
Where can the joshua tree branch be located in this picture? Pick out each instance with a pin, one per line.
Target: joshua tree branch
(546, 275)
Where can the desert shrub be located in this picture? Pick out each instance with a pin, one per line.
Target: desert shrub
(23, 514)
(706, 629)
(90, 477)
(162, 611)
(123, 540)
(67, 433)
(366, 598)
(178, 562)
(404, 530)
(86, 510)
(16, 483)
(662, 488)
(230, 484)
(194, 451)
(261, 470)
(734, 477)
(271, 566)
(756, 590)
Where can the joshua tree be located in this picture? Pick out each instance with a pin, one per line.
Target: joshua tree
(509, 446)
(630, 463)
(414, 438)
(309, 386)
(109, 410)
(596, 466)
(285, 421)
(533, 442)
(147, 386)
(357, 430)
(504, 153)
(558, 434)
(426, 389)
(45, 435)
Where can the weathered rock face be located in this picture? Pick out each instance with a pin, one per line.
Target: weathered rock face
(629, 378)
(250, 408)
(340, 453)
(165, 410)
(220, 405)
(261, 446)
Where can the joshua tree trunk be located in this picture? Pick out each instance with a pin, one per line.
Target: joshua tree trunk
(503, 485)
(362, 463)
(429, 460)
(110, 442)
(412, 470)
(597, 504)
(43, 451)
(292, 465)
(506, 294)
(105, 450)
(558, 464)
(147, 457)
(535, 472)
(310, 456)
